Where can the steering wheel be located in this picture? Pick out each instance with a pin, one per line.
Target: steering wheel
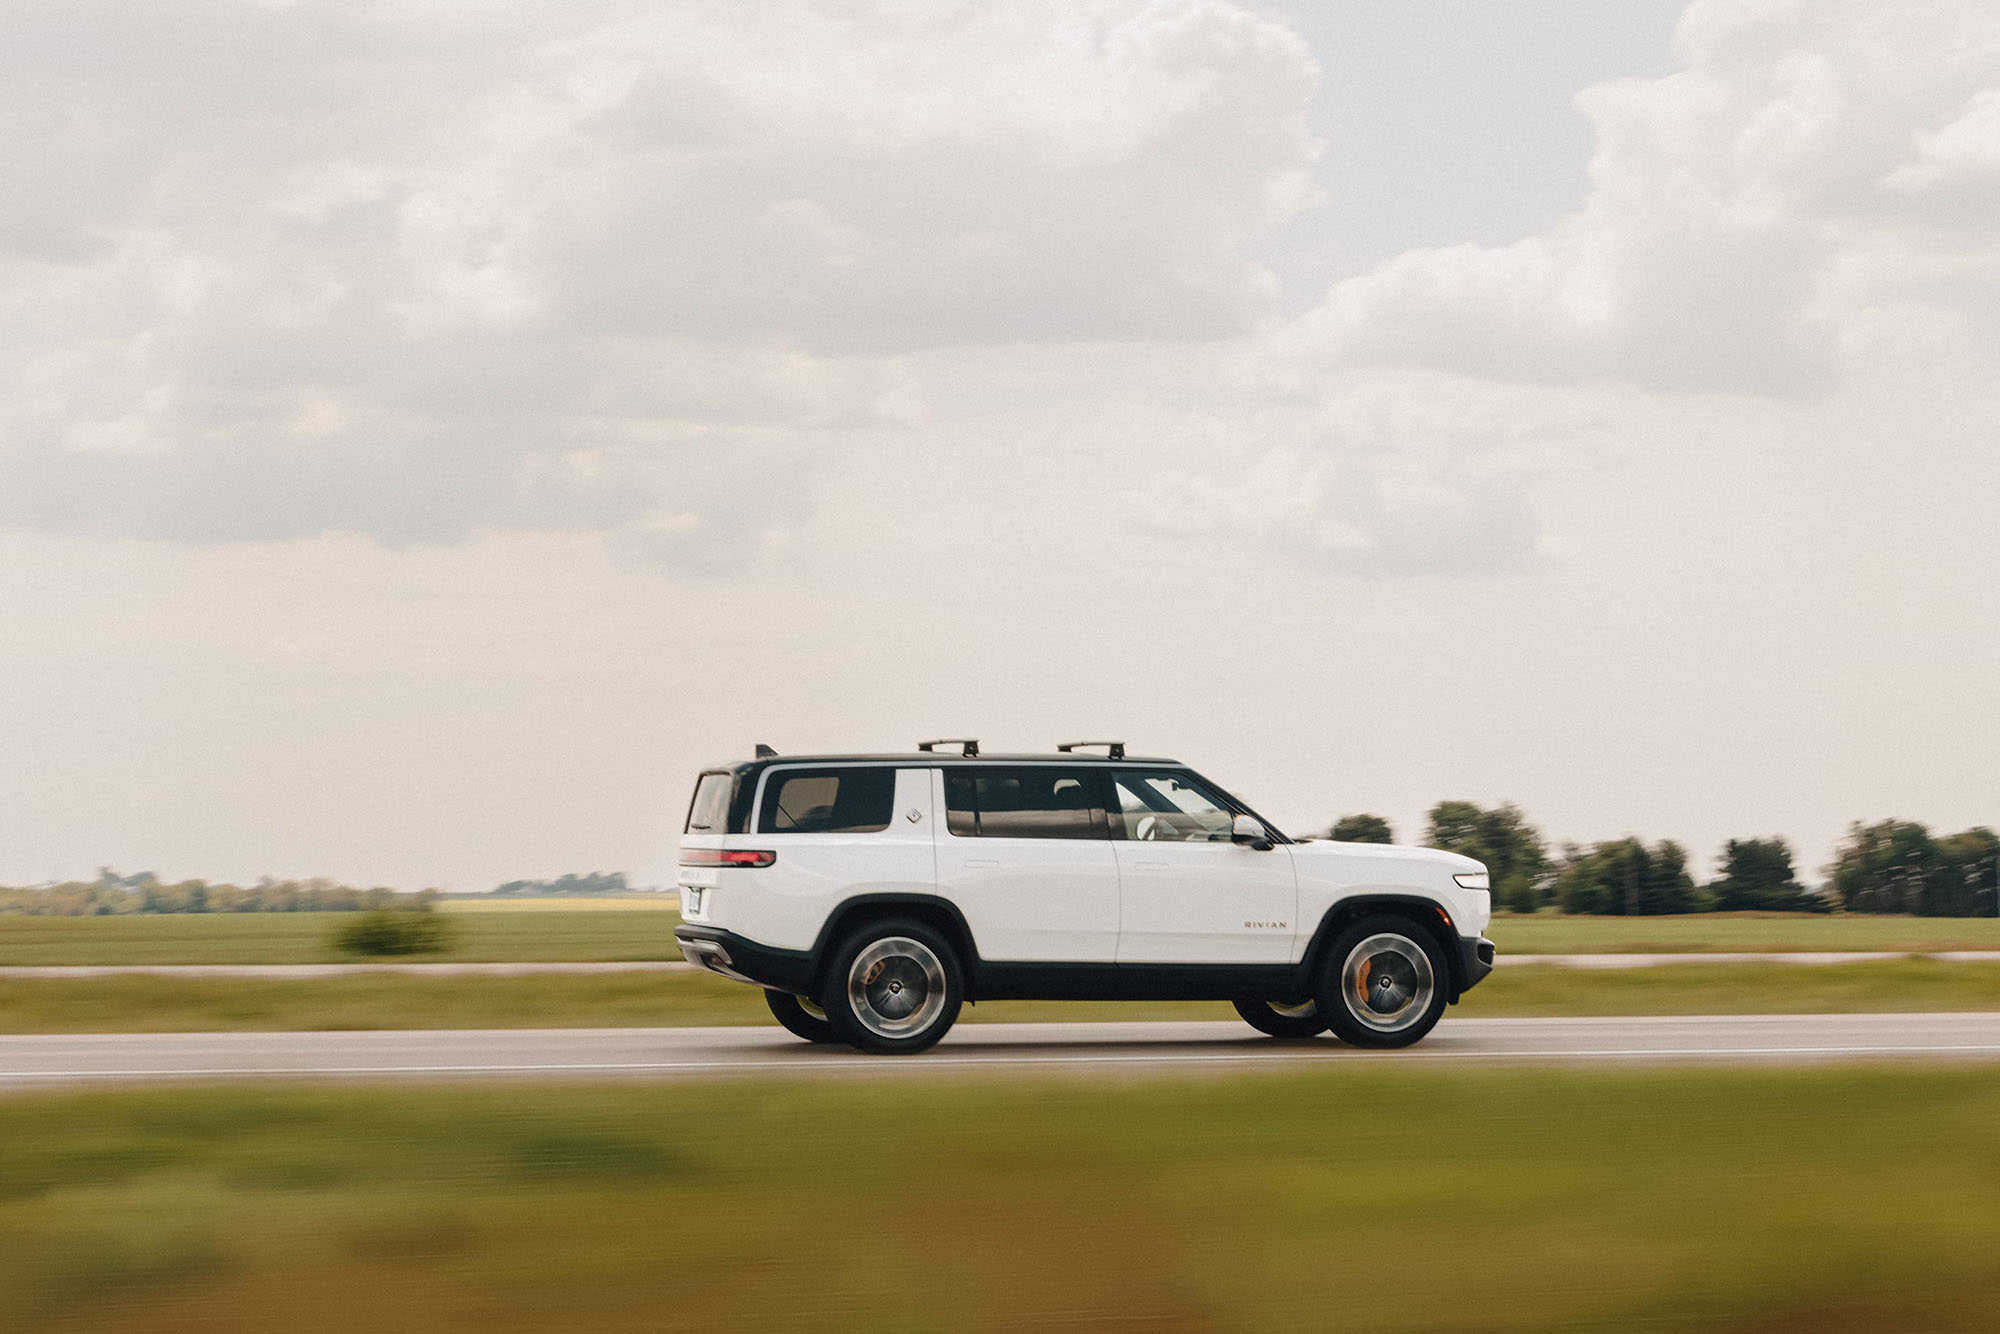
(1152, 828)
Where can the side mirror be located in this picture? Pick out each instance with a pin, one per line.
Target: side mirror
(1249, 829)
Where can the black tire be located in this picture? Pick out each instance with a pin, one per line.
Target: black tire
(893, 987)
(1383, 982)
(1278, 1020)
(801, 1017)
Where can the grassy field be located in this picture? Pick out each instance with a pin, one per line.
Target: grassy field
(609, 929)
(172, 1004)
(567, 934)
(1552, 933)
(1368, 1199)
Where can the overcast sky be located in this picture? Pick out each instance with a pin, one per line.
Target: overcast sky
(431, 431)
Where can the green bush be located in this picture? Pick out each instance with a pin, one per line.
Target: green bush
(395, 931)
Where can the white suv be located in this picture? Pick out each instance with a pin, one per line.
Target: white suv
(871, 895)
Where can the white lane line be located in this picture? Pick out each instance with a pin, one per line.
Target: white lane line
(930, 1062)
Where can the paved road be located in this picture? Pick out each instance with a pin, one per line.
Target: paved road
(299, 971)
(1083, 1048)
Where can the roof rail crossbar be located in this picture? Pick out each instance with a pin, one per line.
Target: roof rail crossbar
(1115, 749)
(971, 746)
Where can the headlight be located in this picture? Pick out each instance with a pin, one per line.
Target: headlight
(1472, 880)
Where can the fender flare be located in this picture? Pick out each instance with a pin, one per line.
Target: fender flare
(1425, 912)
(859, 907)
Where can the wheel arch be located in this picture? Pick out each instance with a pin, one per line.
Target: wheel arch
(1427, 914)
(940, 914)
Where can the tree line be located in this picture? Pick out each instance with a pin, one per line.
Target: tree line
(595, 882)
(1891, 866)
(112, 894)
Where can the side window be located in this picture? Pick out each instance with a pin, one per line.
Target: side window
(708, 813)
(1170, 807)
(994, 802)
(827, 801)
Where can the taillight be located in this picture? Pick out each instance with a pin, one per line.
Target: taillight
(725, 857)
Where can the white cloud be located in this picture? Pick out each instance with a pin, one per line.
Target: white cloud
(1717, 250)
(1389, 476)
(1965, 150)
(270, 270)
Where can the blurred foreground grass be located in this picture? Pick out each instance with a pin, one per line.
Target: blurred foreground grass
(511, 935)
(1362, 1198)
(142, 1003)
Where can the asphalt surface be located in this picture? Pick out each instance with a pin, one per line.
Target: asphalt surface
(302, 971)
(33, 1061)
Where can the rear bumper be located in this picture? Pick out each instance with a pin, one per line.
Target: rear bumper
(729, 955)
(1475, 961)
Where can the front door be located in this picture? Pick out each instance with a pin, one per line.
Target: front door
(1189, 893)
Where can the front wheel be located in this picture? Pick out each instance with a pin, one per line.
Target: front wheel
(893, 988)
(801, 1017)
(1278, 1020)
(1383, 984)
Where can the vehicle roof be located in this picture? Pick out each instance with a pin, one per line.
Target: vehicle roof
(927, 758)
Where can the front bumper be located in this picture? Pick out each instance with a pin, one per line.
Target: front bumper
(1475, 961)
(729, 955)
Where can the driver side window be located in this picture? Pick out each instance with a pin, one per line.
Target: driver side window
(1169, 807)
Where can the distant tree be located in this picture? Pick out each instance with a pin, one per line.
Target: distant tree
(1897, 866)
(1502, 838)
(1362, 829)
(1626, 878)
(1757, 874)
(1887, 866)
(595, 882)
(1971, 871)
(188, 896)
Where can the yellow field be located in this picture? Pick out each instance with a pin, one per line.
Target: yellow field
(579, 902)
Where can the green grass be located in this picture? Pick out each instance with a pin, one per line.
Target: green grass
(1356, 1198)
(600, 932)
(1552, 933)
(565, 934)
(140, 1003)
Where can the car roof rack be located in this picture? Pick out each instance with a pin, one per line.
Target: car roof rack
(971, 746)
(1115, 750)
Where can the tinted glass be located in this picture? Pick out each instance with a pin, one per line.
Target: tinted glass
(994, 802)
(1170, 807)
(709, 811)
(827, 801)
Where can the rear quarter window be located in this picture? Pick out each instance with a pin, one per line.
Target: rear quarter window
(827, 801)
(708, 813)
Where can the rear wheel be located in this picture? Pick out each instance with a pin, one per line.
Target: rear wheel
(893, 988)
(1383, 984)
(801, 1017)
(1300, 1020)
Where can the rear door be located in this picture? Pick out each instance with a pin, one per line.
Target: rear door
(1026, 855)
(1189, 893)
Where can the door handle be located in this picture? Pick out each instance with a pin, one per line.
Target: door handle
(1149, 866)
(980, 863)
